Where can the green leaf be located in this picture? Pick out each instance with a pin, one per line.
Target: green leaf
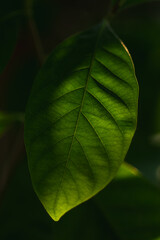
(132, 205)
(80, 119)
(32, 222)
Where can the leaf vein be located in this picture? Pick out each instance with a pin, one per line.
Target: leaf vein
(52, 123)
(67, 93)
(105, 89)
(76, 184)
(110, 114)
(124, 82)
(78, 117)
(86, 158)
(109, 163)
(116, 56)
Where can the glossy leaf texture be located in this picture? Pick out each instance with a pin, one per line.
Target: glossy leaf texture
(80, 119)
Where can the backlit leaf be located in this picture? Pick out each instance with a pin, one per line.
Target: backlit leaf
(80, 118)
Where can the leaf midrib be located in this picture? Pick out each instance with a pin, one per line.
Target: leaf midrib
(81, 106)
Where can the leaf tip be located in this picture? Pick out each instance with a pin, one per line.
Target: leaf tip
(55, 217)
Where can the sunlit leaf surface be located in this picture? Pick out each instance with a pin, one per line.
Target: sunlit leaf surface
(80, 119)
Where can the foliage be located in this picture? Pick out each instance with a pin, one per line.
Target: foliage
(80, 119)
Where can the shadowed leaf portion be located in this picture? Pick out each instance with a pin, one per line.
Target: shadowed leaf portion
(80, 118)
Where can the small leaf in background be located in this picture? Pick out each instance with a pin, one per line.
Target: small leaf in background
(7, 119)
(81, 117)
(131, 205)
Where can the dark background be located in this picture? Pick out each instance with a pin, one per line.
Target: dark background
(129, 208)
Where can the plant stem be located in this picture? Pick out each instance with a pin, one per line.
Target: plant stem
(116, 7)
(34, 31)
(113, 10)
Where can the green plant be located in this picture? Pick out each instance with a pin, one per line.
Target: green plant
(80, 119)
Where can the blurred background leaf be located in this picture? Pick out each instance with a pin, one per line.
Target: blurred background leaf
(132, 206)
(7, 119)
